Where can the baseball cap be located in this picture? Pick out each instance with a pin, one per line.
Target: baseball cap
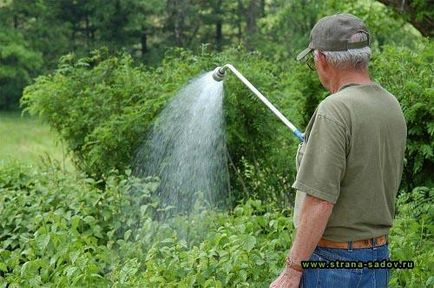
(332, 33)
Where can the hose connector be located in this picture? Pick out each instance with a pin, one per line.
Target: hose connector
(219, 74)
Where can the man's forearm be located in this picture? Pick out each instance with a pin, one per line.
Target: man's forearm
(314, 216)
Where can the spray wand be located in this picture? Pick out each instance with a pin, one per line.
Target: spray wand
(219, 75)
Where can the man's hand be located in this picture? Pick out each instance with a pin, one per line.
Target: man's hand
(289, 278)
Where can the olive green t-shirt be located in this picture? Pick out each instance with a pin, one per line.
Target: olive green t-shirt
(352, 156)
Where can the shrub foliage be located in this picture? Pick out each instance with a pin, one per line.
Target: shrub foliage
(63, 230)
(103, 105)
(408, 75)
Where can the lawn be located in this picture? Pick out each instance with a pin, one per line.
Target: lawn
(27, 139)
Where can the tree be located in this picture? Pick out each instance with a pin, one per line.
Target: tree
(252, 14)
(420, 13)
(18, 64)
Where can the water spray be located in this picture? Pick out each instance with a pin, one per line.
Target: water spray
(219, 75)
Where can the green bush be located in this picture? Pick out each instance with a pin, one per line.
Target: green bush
(101, 105)
(104, 105)
(412, 238)
(61, 229)
(408, 74)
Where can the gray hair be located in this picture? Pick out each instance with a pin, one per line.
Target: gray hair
(352, 58)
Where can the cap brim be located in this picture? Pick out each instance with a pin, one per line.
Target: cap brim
(304, 53)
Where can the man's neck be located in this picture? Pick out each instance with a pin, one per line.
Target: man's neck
(346, 77)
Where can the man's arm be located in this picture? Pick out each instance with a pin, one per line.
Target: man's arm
(314, 216)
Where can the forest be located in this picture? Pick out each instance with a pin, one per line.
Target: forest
(82, 84)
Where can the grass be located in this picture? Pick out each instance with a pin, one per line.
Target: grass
(28, 140)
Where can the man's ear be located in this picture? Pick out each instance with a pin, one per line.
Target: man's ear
(321, 58)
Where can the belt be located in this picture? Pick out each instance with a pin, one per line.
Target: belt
(368, 243)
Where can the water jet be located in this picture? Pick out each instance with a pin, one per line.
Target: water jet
(186, 149)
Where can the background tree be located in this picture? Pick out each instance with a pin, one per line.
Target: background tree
(19, 64)
(148, 28)
(420, 13)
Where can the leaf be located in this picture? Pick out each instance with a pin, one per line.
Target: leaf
(89, 220)
(75, 221)
(130, 268)
(73, 256)
(70, 271)
(127, 235)
(26, 266)
(249, 243)
(42, 241)
(30, 267)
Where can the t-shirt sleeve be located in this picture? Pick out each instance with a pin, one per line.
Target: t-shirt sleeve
(324, 161)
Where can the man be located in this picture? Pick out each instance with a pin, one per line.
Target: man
(349, 166)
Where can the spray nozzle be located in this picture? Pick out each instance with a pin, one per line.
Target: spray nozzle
(219, 74)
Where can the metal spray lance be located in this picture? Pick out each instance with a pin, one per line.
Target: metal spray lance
(219, 75)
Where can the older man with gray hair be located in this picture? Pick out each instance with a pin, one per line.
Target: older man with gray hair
(348, 168)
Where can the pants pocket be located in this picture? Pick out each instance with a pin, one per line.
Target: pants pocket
(327, 277)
